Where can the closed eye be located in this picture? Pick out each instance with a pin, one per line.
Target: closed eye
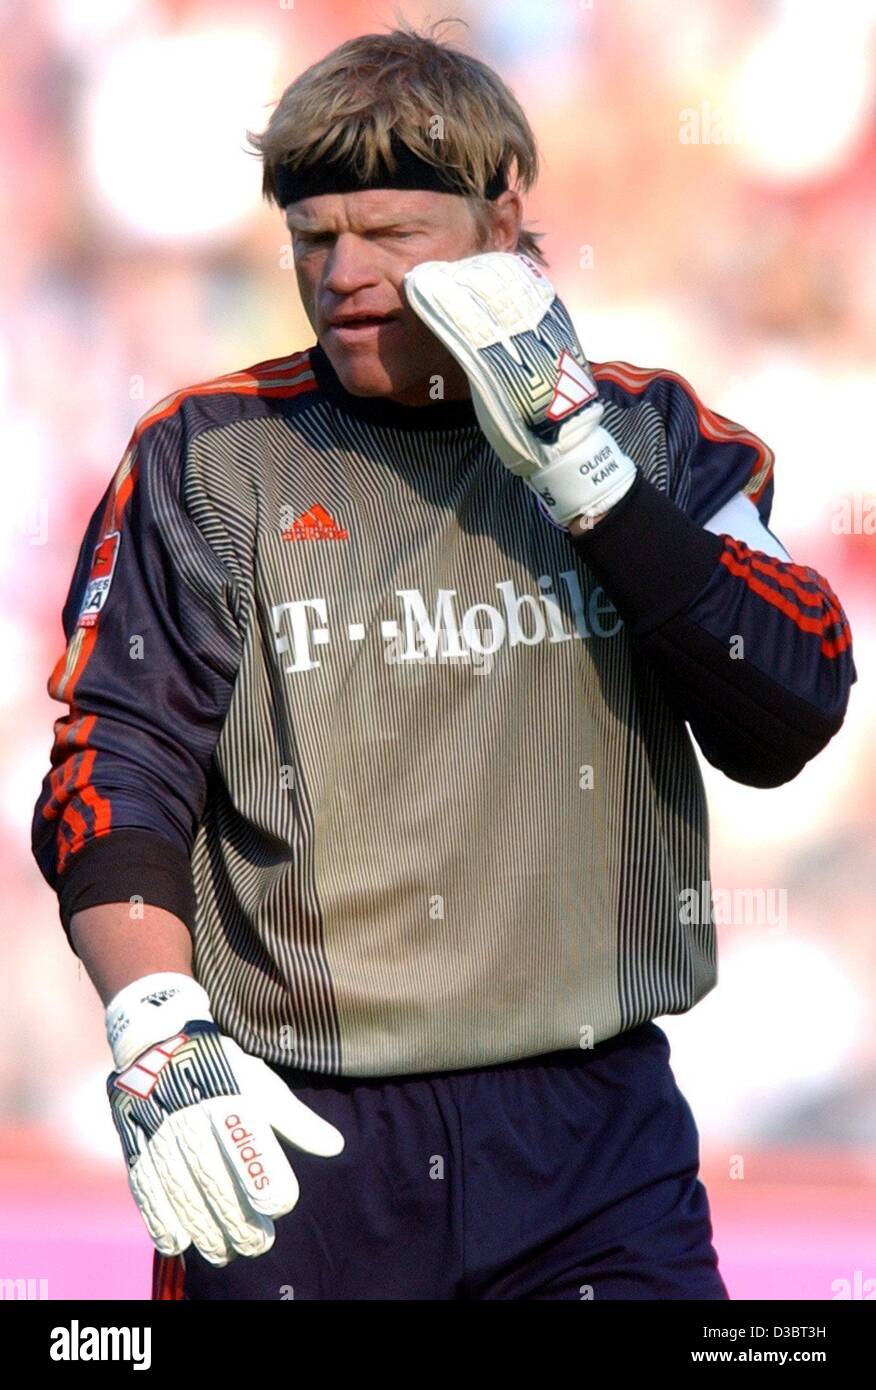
(317, 238)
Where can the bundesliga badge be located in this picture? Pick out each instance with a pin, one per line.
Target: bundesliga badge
(100, 577)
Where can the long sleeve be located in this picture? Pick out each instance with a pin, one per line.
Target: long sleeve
(753, 651)
(152, 626)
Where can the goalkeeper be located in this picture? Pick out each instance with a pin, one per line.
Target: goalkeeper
(375, 815)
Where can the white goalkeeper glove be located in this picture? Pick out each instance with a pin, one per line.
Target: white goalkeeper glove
(196, 1115)
(531, 385)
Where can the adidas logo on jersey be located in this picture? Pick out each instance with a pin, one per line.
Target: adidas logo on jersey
(316, 524)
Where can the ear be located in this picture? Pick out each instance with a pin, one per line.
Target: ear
(506, 219)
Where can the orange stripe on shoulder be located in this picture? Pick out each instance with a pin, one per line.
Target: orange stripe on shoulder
(278, 377)
(711, 425)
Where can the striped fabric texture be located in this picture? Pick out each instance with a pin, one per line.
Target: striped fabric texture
(438, 812)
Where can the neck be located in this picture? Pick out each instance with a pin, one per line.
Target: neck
(414, 409)
(448, 383)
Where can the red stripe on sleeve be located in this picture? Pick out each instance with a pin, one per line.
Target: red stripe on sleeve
(831, 617)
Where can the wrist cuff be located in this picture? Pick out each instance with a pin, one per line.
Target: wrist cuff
(151, 1009)
(587, 481)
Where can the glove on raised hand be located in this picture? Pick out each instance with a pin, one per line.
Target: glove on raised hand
(532, 390)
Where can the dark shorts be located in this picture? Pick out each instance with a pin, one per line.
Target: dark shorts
(571, 1176)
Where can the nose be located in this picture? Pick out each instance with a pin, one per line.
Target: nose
(350, 265)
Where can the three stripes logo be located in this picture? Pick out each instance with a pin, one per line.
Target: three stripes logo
(574, 387)
(316, 524)
(543, 373)
(141, 1079)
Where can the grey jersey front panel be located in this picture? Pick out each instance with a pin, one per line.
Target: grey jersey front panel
(421, 857)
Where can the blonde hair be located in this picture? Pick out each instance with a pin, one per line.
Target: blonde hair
(409, 83)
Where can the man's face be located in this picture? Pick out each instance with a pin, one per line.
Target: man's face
(351, 251)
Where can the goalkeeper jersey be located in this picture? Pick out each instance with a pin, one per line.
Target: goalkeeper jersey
(394, 745)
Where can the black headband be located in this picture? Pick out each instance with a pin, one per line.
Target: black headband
(339, 176)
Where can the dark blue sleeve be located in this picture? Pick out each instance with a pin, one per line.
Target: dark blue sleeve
(153, 643)
(753, 651)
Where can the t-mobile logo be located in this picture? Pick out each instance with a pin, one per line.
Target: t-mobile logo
(524, 619)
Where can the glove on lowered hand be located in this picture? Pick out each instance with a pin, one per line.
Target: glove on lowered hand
(196, 1116)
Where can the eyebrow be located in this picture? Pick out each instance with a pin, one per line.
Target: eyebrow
(296, 223)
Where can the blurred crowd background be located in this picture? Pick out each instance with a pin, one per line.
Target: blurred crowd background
(707, 197)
